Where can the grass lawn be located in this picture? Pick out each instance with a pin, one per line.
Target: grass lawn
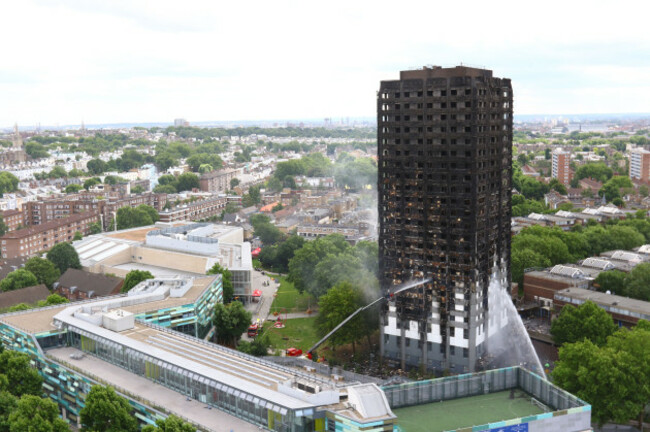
(289, 299)
(297, 333)
(465, 412)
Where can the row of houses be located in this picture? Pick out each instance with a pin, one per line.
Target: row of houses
(567, 219)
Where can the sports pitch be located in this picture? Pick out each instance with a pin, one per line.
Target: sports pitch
(465, 412)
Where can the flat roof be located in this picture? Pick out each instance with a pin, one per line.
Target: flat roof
(214, 419)
(157, 271)
(466, 412)
(40, 320)
(612, 303)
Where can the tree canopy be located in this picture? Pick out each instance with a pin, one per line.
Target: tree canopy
(33, 413)
(18, 279)
(64, 256)
(226, 281)
(106, 411)
(336, 305)
(613, 377)
(170, 424)
(231, 321)
(587, 321)
(134, 277)
(44, 270)
(142, 215)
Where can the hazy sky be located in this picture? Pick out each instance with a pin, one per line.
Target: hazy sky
(114, 61)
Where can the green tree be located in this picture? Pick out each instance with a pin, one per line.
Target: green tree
(57, 172)
(268, 233)
(187, 182)
(95, 228)
(34, 413)
(53, 299)
(8, 405)
(277, 257)
(134, 277)
(137, 190)
(342, 267)
(64, 256)
(36, 150)
(599, 376)
(524, 258)
(3, 226)
(598, 171)
(339, 303)
(612, 281)
(231, 321)
(73, 188)
(44, 270)
(167, 189)
(165, 160)
(113, 180)
(234, 182)
(587, 321)
(258, 347)
(305, 260)
(23, 377)
(612, 378)
(152, 212)
(253, 196)
(18, 279)
(106, 411)
(77, 236)
(226, 281)
(8, 182)
(170, 424)
(91, 182)
(129, 217)
(638, 282)
(96, 167)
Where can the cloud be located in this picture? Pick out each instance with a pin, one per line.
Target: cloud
(131, 61)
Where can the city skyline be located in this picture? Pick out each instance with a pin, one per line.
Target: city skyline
(129, 62)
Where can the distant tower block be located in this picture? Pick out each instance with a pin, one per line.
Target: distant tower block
(18, 139)
(181, 122)
(561, 169)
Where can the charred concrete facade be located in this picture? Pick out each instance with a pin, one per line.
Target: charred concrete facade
(445, 155)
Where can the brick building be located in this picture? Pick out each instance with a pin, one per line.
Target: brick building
(13, 219)
(39, 212)
(39, 238)
(217, 181)
(81, 285)
(195, 211)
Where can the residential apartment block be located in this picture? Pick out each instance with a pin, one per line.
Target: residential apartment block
(444, 183)
(217, 181)
(39, 212)
(195, 211)
(640, 165)
(560, 168)
(39, 238)
(13, 219)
